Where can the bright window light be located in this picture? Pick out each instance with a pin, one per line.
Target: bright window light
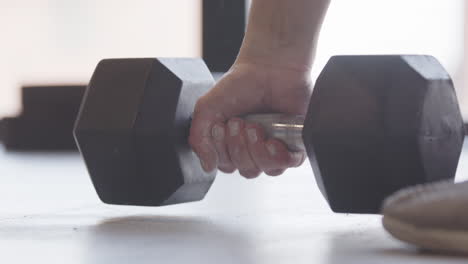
(433, 27)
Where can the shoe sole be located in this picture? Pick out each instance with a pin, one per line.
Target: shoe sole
(445, 241)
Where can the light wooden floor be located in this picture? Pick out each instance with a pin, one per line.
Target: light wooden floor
(49, 213)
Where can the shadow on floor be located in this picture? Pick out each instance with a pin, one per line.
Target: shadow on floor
(374, 246)
(165, 239)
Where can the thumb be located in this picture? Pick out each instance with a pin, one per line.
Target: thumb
(201, 139)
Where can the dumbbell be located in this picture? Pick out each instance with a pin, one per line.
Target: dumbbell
(46, 120)
(375, 124)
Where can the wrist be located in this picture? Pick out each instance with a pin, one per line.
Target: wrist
(282, 50)
(274, 60)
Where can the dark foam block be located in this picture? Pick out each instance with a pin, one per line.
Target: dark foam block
(46, 120)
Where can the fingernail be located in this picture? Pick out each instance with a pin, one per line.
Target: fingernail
(271, 148)
(234, 128)
(217, 132)
(252, 135)
(298, 157)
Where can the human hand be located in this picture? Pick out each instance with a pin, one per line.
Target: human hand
(222, 139)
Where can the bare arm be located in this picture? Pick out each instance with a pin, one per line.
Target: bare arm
(283, 32)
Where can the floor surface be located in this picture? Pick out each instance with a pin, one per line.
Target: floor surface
(49, 213)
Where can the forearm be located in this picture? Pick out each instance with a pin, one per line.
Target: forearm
(283, 32)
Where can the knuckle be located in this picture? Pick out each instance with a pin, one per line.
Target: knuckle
(218, 132)
(234, 126)
(257, 127)
(252, 137)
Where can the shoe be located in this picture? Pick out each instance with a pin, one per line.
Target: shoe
(432, 216)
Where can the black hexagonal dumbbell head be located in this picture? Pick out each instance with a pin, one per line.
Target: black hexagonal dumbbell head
(133, 126)
(376, 124)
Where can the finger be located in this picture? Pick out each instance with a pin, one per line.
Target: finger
(200, 138)
(238, 150)
(281, 156)
(256, 145)
(301, 158)
(271, 156)
(276, 172)
(219, 138)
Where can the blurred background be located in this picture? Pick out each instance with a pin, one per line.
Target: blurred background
(61, 41)
(47, 199)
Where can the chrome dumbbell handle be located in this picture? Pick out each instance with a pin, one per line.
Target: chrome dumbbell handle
(287, 128)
